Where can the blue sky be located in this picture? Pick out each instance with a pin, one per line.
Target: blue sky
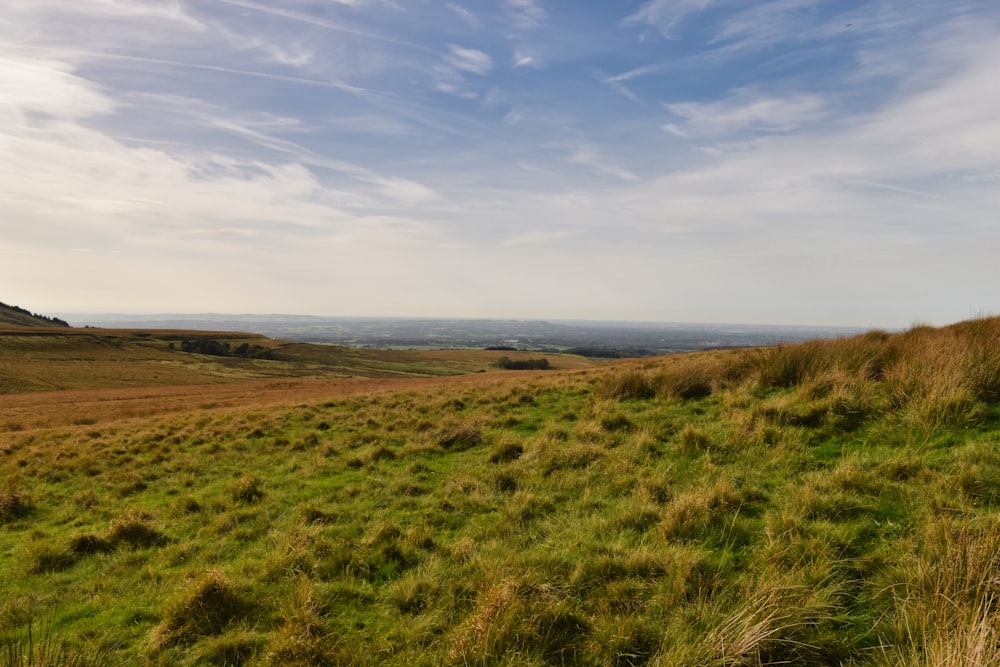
(782, 161)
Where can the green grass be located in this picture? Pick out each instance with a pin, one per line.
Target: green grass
(836, 503)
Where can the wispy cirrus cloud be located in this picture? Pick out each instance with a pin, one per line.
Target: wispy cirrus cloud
(450, 73)
(524, 15)
(317, 21)
(473, 61)
(747, 110)
(465, 14)
(666, 15)
(591, 157)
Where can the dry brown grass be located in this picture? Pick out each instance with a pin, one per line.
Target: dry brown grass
(945, 609)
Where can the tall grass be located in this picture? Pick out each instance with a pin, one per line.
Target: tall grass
(42, 647)
(944, 611)
(833, 503)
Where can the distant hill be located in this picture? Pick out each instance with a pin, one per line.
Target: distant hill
(22, 317)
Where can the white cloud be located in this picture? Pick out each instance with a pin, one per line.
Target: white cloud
(522, 59)
(674, 130)
(524, 15)
(46, 87)
(465, 15)
(666, 15)
(748, 111)
(469, 60)
(591, 157)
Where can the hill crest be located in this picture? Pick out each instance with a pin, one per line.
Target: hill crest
(21, 317)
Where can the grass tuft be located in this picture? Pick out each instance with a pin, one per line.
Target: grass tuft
(134, 529)
(246, 490)
(625, 385)
(26, 647)
(204, 607)
(458, 436)
(13, 501)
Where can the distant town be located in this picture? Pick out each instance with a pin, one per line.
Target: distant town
(588, 338)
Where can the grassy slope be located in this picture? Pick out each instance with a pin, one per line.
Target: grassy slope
(52, 359)
(827, 503)
(13, 316)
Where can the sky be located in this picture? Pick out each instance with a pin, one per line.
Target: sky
(775, 161)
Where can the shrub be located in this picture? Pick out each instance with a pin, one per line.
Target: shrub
(523, 364)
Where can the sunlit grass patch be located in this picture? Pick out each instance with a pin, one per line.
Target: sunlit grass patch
(206, 605)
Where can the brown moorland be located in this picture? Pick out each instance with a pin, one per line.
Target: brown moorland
(62, 376)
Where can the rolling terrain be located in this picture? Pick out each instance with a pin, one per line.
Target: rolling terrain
(832, 502)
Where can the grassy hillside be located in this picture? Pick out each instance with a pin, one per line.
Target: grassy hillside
(46, 359)
(830, 503)
(14, 315)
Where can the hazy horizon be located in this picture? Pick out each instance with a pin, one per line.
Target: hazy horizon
(151, 315)
(788, 162)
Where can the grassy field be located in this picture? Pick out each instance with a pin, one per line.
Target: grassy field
(49, 359)
(829, 503)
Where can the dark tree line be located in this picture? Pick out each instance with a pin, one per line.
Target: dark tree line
(523, 364)
(221, 349)
(45, 318)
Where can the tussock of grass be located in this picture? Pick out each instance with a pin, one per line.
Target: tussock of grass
(626, 385)
(134, 528)
(456, 436)
(205, 606)
(521, 622)
(13, 501)
(944, 611)
(42, 647)
(246, 490)
(694, 378)
(42, 557)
